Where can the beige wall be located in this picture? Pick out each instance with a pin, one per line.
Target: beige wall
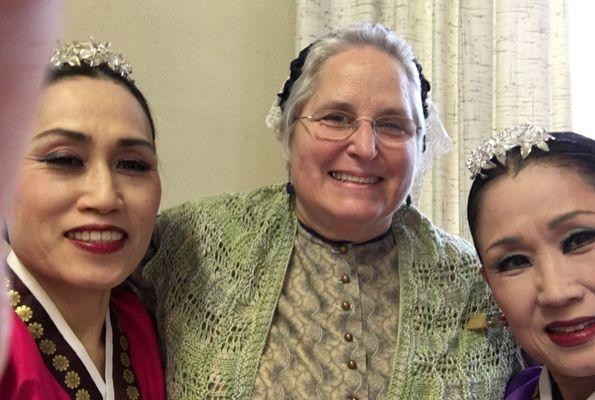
(210, 70)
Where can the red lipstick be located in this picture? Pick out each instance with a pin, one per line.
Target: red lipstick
(99, 239)
(572, 333)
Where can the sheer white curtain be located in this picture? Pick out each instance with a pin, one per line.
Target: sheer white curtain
(492, 64)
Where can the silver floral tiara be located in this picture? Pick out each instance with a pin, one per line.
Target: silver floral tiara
(91, 54)
(522, 136)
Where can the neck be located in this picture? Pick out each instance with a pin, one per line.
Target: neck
(84, 311)
(343, 231)
(573, 388)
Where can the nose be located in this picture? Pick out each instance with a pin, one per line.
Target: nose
(100, 191)
(363, 140)
(557, 284)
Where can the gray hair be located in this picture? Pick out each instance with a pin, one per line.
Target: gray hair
(358, 35)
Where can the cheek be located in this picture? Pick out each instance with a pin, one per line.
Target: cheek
(308, 158)
(515, 299)
(144, 204)
(402, 163)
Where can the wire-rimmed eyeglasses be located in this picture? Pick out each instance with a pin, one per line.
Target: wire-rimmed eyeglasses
(392, 130)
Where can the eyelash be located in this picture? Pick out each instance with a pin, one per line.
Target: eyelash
(586, 235)
(134, 164)
(502, 265)
(583, 237)
(62, 160)
(68, 161)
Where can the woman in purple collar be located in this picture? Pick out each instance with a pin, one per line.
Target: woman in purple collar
(531, 212)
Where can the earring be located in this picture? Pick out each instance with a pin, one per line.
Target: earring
(289, 189)
(497, 319)
(502, 318)
(408, 200)
(423, 149)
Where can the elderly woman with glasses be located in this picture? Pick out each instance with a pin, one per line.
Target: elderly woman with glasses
(332, 286)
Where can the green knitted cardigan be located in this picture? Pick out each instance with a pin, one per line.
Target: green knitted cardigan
(218, 271)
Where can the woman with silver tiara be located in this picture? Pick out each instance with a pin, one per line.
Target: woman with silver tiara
(531, 212)
(333, 285)
(81, 219)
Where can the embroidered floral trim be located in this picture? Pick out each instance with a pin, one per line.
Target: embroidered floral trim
(47, 347)
(14, 297)
(72, 380)
(132, 392)
(35, 329)
(60, 362)
(24, 312)
(82, 394)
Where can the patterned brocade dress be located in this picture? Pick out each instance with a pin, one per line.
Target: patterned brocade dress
(47, 361)
(335, 329)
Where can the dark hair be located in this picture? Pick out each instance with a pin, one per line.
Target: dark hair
(103, 72)
(567, 150)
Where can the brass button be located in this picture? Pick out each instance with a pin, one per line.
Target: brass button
(348, 337)
(353, 397)
(345, 278)
(343, 249)
(351, 364)
(346, 306)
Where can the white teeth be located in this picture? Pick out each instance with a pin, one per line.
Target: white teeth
(95, 236)
(569, 329)
(368, 180)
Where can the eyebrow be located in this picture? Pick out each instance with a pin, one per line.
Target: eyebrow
(552, 225)
(341, 105)
(84, 138)
(74, 135)
(503, 242)
(132, 142)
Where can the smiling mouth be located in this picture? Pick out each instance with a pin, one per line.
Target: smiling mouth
(95, 236)
(570, 329)
(360, 180)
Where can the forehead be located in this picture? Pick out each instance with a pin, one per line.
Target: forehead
(92, 106)
(365, 76)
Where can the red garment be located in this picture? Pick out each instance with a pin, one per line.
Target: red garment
(28, 378)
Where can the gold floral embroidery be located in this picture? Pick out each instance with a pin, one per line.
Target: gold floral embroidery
(124, 343)
(24, 312)
(72, 380)
(14, 297)
(60, 362)
(36, 329)
(125, 360)
(82, 394)
(132, 393)
(47, 346)
(128, 376)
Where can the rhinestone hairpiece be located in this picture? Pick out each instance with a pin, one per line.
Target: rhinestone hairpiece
(91, 54)
(523, 136)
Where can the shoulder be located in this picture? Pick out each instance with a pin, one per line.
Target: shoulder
(436, 242)
(224, 227)
(229, 208)
(26, 376)
(523, 385)
(259, 199)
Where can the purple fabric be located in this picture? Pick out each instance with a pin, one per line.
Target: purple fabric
(522, 386)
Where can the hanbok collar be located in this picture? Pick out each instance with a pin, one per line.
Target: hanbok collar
(545, 386)
(105, 387)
